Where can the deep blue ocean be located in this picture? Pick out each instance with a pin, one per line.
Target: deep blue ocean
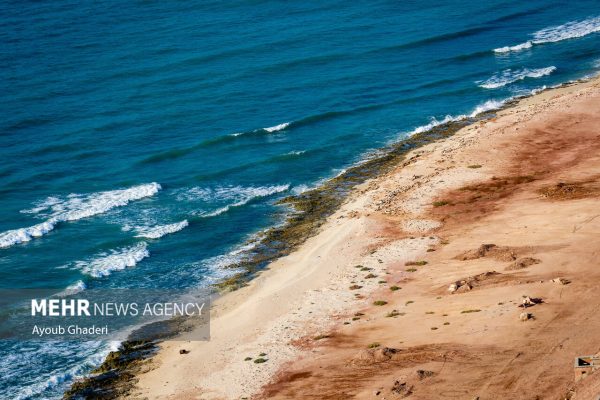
(144, 143)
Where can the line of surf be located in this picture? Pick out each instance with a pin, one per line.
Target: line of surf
(553, 34)
(72, 208)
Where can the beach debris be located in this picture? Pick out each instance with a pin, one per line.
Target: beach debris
(402, 388)
(423, 374)
(523, 262)
(464, 285)
(530, 301)
(184, 351)
(525, 316)
(561, 281)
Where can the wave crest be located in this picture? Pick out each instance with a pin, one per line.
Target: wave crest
(74, 207)
(234, 196)
(114, 260)
(552, 34)
(276, 128)
(155, 232)
(488, 105)
(510, 76)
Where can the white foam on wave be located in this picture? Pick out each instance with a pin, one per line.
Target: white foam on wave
(518, 47)
(488, 105)
(21, 235)
(277, 127)
(552, 34)
(94, 353)
(115, 260)
(221, 266)
(435, 122)
(244, 195)
(74, 207)
(155, 232)
(78, 206)
(509, 76)
(74, 288)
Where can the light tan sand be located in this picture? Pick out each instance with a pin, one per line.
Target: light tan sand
(546, 139)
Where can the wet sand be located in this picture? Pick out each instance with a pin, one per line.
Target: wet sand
(363, 309)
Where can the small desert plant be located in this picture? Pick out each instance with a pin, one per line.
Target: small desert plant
(370, 276)
(470, 311)
(247, 358)
(393, 313)
(419, 263)
(408, 302)
(434, 328)
(379, 303)
(260, 360)
(374, 345)
(430, 312)
(319, 337)
(394, 288)
(355, 287)
(440, 203)
(411, 270)
(446, 323)
(474, 166)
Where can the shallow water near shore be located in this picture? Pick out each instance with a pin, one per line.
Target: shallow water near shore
(151, 155)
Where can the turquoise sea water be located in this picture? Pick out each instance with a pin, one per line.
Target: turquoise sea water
(143, 144)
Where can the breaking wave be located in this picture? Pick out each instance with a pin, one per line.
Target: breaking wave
(481, 108)
(510, 76)
(155, 232)
(277, 128)
(114, 260)
(75, 207)
(569, 30)
(238, 194)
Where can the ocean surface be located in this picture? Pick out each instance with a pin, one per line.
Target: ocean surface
(144, 143)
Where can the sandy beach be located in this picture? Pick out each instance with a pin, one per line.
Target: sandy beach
(415, 286)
